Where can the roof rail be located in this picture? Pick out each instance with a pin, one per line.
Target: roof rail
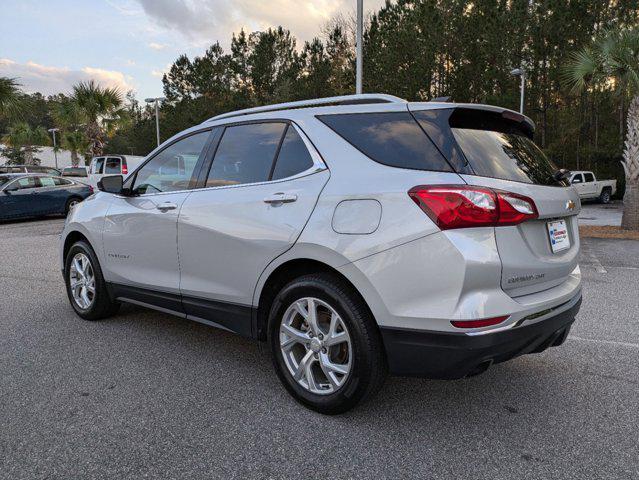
(364, 98)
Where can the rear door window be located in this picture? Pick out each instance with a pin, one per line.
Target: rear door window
(293, 157)
(61, 181)
(46, 181)
(391, 138)
(112, 166)
(589, 177)
(245, 154)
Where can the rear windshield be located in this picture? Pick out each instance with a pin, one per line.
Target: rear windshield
(497, 148)
(74, 172)
(392, 138)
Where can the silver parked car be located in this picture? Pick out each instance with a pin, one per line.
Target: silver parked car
(357, 235)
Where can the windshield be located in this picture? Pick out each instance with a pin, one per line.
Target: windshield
(4, 180)
(508, 156)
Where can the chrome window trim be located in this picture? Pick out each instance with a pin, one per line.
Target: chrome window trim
(318, 162)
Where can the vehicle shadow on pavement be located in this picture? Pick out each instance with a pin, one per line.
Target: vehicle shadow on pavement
(524, 386)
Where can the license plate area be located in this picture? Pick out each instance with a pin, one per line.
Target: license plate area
(558, 235)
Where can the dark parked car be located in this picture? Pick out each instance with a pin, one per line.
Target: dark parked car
(29, 169)
(28, 195)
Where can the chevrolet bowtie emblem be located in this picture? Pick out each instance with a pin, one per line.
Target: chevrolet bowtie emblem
(570, 205)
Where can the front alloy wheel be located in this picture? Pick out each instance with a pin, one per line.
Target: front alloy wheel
(86, 288)
(82, 281)
(316, 346)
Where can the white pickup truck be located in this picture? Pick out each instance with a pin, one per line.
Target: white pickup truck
(589, 188)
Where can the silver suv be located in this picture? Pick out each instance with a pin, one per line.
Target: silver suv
(357, 235)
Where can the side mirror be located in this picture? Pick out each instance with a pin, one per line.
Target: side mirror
(111, 184)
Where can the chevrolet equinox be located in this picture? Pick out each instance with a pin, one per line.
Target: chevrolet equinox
(357, 236)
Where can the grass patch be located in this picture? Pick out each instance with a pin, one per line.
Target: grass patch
(607, 231)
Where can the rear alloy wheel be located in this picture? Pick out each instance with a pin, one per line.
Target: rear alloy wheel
(326, 346)
(316, 346)
(605, 196)
(85, 284)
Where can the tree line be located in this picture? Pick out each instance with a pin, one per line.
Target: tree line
(417, 50)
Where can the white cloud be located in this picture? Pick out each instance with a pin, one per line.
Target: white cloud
(157, 46)
(49, 80)
(206, 21)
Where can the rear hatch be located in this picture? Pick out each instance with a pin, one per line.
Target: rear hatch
(492, 147)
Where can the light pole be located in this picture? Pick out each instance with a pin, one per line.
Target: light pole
(157, 101)
(55, 147)
(359, 61)
(521, 73)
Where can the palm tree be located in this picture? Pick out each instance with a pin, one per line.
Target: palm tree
(76, 142)
(99, 108)
(613, 59)
(24, 140)
(9, 96)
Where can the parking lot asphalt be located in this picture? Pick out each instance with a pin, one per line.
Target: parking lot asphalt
(147, 395)
(594, 213)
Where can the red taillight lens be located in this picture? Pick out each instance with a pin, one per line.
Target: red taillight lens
(465, 206)
(91, 189)
(484, 322)
(125, 169)
(514, 209)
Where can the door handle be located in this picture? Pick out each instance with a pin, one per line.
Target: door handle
(166, 206)
(280, 198)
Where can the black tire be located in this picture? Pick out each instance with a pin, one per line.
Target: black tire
(71, 202)
(368, 369)
(102, 305)
(605, 196)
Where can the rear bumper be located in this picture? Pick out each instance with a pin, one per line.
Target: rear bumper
(447, 355)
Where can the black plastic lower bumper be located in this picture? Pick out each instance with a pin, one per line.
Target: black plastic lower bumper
(456, 355)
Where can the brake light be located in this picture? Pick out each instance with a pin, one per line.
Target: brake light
(125, 169)
(466, 206)
(484, 322)
(91, 189)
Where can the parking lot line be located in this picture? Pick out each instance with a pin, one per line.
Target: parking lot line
(605, 342)
(594, 261)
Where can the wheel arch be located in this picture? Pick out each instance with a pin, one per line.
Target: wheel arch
(73, 233)
(279, 273)
(73, 237)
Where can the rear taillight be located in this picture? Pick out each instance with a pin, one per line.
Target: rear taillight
(484, 322)
(465, 206)
(125, 169)
(91, 189)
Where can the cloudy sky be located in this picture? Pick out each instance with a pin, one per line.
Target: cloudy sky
(50, 45)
